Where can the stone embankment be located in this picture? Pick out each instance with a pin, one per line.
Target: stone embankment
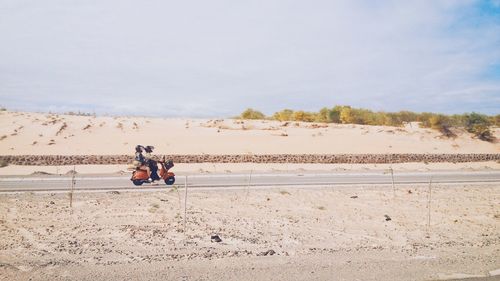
(59, 160)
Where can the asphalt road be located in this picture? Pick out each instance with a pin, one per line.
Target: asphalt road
(103, 183)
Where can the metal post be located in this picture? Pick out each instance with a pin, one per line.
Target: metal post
(248, 185)
(185, 201)
(72, 187)
(393, 186)
(429, 208)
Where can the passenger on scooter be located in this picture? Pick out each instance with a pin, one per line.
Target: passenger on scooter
(140, 161)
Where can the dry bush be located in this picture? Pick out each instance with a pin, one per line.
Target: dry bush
(3, 163)
(62, 128)
(224, 127)
(272, 128)
(317, 126)
(252, 114)
(79, 113)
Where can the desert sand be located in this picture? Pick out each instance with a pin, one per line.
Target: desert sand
(38, 133)
(321, 233)
(341, 233)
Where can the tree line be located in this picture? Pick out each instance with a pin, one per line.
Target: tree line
(478, 124)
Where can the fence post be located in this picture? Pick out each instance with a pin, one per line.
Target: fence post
(429, 209)
(248, 185)
(393, 185)
(72, 187)
(185, 201)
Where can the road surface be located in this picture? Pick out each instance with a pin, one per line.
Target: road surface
(103, 183)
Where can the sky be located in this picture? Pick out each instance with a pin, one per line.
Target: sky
(216, 58)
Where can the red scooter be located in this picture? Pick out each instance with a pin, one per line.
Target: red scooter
(140, 176)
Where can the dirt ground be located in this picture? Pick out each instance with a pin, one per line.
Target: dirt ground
(341, 233)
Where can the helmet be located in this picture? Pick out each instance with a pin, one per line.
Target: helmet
(138, 148)
(149, 148)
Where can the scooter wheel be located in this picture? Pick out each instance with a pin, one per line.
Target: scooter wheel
(138, 182)
(169, 180)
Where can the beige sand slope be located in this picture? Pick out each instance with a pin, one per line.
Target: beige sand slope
(37, 133)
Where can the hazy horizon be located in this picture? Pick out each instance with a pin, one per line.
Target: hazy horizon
(217, 58)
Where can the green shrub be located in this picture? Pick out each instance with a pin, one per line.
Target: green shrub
(495, 120)
(475, 123)
(346, 115)
(323, 116)
(284, 115)
(479, 125)
(303, 116)
(334, 114)
(252, 114)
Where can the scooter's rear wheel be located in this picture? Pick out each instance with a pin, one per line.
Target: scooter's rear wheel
(169, 180)
(138, 182)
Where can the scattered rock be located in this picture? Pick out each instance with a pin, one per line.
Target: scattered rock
(354, 196)
(40, 173)
(71, 172)
(215, 238)
(267, 253)
(387, 218)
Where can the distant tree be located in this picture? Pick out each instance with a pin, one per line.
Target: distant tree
(478, 124)
(284, 115)
(424, 119)
(346, 116)
(303, 116)
(323, 116)
(495, 120)
(252, 114)
(334, 114)
(407, 116)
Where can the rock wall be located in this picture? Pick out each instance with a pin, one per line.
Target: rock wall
(59, 160)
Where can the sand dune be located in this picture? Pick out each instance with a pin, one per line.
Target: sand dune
(39, 133)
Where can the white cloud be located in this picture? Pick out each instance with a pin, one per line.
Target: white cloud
(209, 58)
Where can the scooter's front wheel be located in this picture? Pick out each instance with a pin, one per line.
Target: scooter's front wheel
(138, 182)
(169, 180)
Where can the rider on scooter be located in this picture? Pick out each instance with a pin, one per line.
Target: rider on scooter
(152, 165)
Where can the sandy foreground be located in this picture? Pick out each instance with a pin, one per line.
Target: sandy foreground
(340, 233)
(38, 133)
